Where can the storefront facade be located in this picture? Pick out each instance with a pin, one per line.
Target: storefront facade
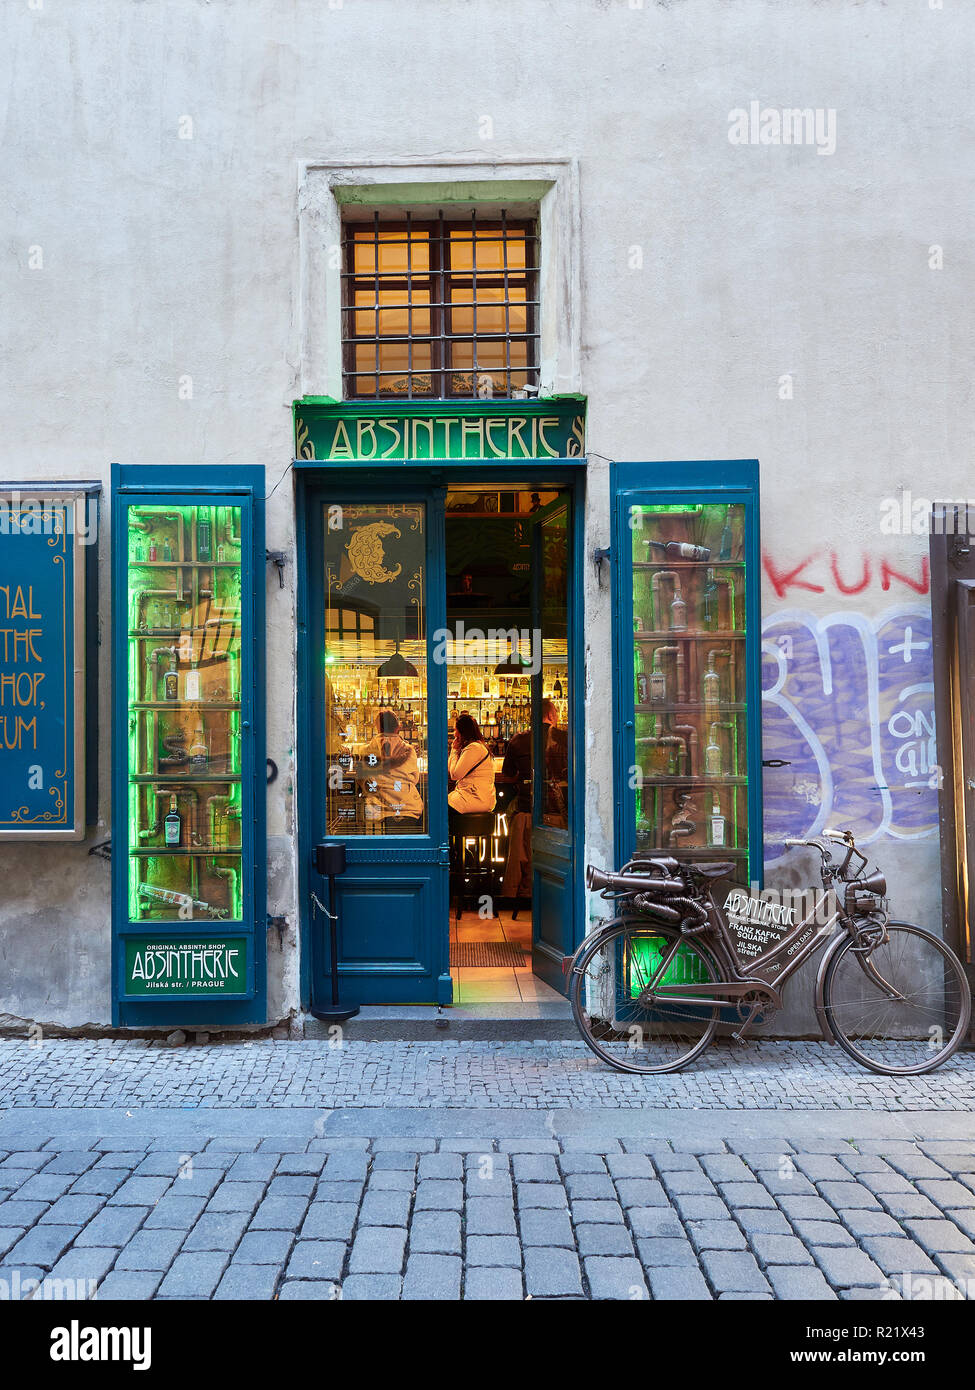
(642, 386)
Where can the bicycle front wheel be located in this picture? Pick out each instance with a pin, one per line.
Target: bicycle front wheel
(612, 992)
(902, 1008)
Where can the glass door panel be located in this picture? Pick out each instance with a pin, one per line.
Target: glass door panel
(553, 804)
(184, 730)
(375, 652)
(690, 679)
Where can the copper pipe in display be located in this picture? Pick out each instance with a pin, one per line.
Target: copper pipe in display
(186, 793)
(678, 653)
(689, 734)
(674, 578)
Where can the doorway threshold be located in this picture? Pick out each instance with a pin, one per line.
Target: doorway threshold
(501, 1022)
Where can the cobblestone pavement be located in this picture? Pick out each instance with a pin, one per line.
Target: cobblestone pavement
(133, 1215)
(767, 1075)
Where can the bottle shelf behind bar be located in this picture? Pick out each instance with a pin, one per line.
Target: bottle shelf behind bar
(689, 680)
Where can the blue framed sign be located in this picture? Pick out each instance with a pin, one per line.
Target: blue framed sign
(43, 663)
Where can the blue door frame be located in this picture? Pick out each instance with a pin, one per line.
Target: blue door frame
(243, 486)
(356, 481)
(669, 483)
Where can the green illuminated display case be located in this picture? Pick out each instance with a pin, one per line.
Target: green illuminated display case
(188, 823)
(688, 696)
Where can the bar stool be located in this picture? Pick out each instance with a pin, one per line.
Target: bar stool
(469, 878)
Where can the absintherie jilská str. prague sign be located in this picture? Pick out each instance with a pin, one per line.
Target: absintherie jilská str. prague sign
(42, 665)
(385, 432)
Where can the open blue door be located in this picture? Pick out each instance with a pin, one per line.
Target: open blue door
(378, 740)
(555, 880)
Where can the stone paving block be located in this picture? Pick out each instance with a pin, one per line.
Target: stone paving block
(799, 1282)
(380, 1180)
(351, 1191)
(593, 1186)
(715, 1235)
(150, 1250)
(436, 1233)
(654, 1221)
(870, 1223)
(860, 1163)
(965, 1218)
(223, 1143)
(26, 1161)
(139, 1192)
(175, 1213)
(503, 1251)
(821, 1168)
(349, 1166)
(264, 1248)
(498, 1186)
(807, 1209)
(291, 1185)
(946, 1193)
(391, 1161)
(248, 1281)
(200, 1182)
(370, 1287)
(436, 1194)
(378, 1250)
(694, 1184)
(898, 1255)
(130, 1284)
(9, 1236)
(329, 1221)
(599, 1212)
(542, 1226)
(733, 1270)
(916, 1165)
(779, 1250)
(75, 1161)
(912, 1204)
(385, 1209)
(252, 1168)
(17, 1213)
(494, 1285)
(823, 1233)
(629, 1166)
(615, 1277)
(283, 1146)
(316, 1259)
(726, 1168)
(112, 1226)
(86, 1266)
(847, 1267)
(552, 1273)
(447, 1165)
(677, 1283)
(533, 1146)
(641, 1192)
(880, 1295)
(490, 1216)
(327, 1290)
(845, 1196)
(42, 1246)
(331, 1143)
(762, 1221)
(161, 1163)
(42, 1187)
(232, 1196)
(959, 1267)
(889, 1181)
(218, 1230)
(746, 1194)
(940, 1237)
(701, 1208)
(295, 1164)
(534, 1168)
(793, 1184)
(667, 1161)
(549, 1195)
(72, 1211)
(602, 1240)
(193, 1275)
(577, 1142)
(659, 1252)
(280, 1214)
(433, 1277)
(584, 1163)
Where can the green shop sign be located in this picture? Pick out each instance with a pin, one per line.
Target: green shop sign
(156, 966)
(383, 432)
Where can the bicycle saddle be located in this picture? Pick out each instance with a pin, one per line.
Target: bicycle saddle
(715, 870)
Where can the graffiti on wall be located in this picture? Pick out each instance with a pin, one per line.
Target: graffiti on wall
(848, 705)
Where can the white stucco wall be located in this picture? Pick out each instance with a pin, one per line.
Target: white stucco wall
(708, 272)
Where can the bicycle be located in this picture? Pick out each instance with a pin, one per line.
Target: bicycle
(650, 987)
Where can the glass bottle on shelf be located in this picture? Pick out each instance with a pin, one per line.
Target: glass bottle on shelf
(173, 824)
(191, 685)
(712, 754)
(678, 611)
(199, 752)
(716, 823)
(709, 604)
(204, 539)
(658, 681)
(171, 680)
(712, 686)
(681, 550)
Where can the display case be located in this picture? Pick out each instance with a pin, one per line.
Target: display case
(686, 585)
(187, 821)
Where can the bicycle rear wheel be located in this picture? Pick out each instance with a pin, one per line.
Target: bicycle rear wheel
(921, 1025)
(611, 992)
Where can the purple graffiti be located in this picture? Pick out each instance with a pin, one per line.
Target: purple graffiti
(847, 702)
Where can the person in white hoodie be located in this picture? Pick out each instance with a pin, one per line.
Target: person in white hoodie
(389, 773)
(471, 769)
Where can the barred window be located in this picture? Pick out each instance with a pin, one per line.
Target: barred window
(439, 309)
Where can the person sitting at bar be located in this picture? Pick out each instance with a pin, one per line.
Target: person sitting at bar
(517, 768)
(389, 773)
(471, 768)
